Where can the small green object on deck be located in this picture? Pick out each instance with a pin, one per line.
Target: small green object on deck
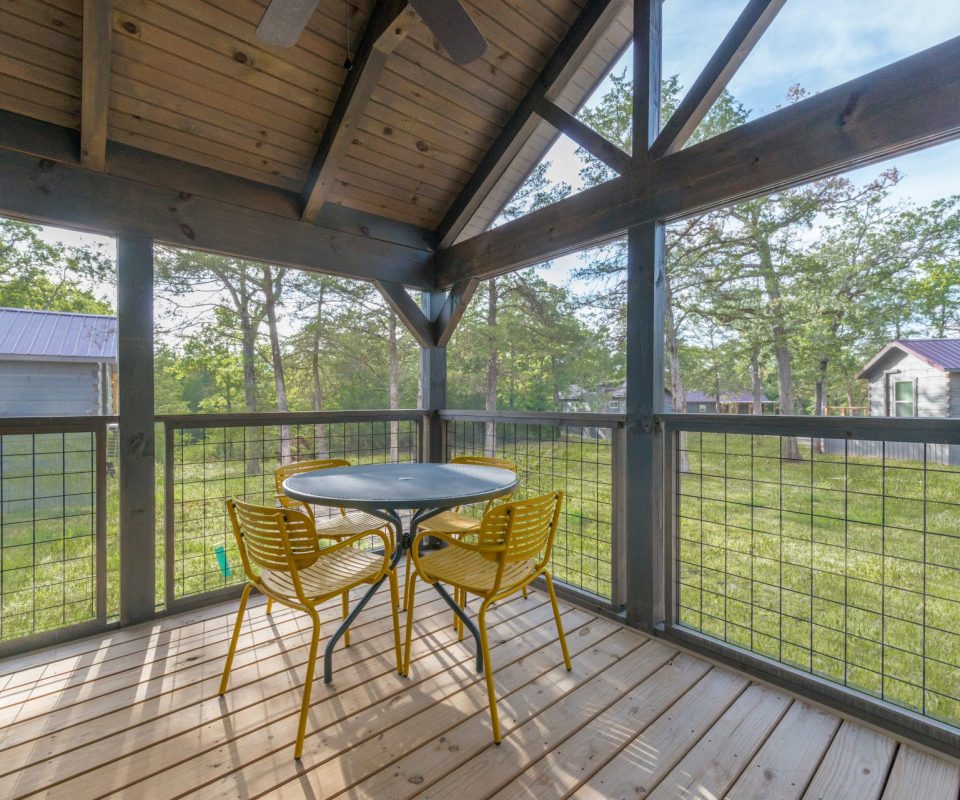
(221, 553)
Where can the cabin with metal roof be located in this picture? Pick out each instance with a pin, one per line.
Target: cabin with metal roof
(56, 363)
(914, 378)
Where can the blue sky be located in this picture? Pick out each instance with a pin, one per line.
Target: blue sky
(813, 43)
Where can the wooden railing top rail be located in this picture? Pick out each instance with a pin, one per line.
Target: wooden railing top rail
(537, 417)
(285, 418)
(890, 429)
(26, 425)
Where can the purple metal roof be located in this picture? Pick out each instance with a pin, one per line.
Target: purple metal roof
(940, 353)
(27, 335)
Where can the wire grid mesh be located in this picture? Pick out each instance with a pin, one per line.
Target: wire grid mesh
(48, 532)
(551, 457)
(840, 558)
(217, 462)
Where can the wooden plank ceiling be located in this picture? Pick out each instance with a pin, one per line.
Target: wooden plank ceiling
(189, 80)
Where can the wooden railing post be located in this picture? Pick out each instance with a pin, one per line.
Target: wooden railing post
(137, 452)
(433, 374)
(645, 315)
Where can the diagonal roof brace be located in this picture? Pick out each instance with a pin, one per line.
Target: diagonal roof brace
(435, 332)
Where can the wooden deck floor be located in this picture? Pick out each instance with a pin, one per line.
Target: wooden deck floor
(135, 714)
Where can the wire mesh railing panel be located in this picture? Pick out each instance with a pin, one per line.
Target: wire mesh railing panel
(549, 456)
(51, 531)
(211, 463)
(837, 557)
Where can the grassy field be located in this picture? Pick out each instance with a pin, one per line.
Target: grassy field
(847, 568)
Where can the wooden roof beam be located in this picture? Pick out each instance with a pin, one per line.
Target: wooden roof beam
(579, 41)
(722, 66)
(187, 206)
(390, 22)
(903, 107)
(585, 136)
(95, 83)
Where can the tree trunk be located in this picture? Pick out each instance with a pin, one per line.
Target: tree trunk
(819, 397)
(319, 430)
(490, 437)
(757, 383)
(270, 294)
(781, 348)
(248, 347)
(678, 397)
(394, 388)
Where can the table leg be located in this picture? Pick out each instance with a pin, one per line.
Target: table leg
(402, 544)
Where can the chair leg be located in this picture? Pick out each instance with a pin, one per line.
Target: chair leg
(236, 635)
(556, 616)
(269, 606)
(463, 604)
(411, 595)
(406, 579)
(308, 684)
(346, 613)
(488, 671)
(524, 592)
(395, 603)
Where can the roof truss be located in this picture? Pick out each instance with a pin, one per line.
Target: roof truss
(95, 83)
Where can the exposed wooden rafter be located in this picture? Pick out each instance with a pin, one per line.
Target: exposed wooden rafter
(733, 50)
(389, 25)
(903, 107)
(585, 136)
(95, 83)
(410, 314)
(573, 48)
(189, 206)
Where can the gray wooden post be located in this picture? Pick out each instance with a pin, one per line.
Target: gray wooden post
(645, 298)
(137, 452)
(433, 371)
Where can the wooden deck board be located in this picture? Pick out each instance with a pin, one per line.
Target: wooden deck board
(134, 713)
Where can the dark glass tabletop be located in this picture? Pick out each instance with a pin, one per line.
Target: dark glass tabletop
(400, 486)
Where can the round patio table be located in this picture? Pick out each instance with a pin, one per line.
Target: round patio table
(384, 490)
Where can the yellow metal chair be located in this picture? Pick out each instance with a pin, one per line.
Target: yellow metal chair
(513, 548)
(456, 523)
(347, 523)
(283, 559)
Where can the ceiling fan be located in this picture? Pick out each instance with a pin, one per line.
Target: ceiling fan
(284, 21)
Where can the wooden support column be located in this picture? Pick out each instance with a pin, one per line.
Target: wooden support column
(137, 452)
(433, 374)
(645, 299)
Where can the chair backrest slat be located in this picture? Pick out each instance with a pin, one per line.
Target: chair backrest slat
(260, 535)
(527, 526)
(488, 461)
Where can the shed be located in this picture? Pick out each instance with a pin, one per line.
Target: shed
(57, 363)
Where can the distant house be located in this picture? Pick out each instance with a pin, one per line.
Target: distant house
(607, 398)
(730, 403)
(55, 363)
(915, 378)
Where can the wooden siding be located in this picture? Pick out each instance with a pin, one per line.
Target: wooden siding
(135, 714)
(932, 385)
(47, 389)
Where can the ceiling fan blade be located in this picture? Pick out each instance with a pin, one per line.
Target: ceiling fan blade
(284, 21)
(452, 26)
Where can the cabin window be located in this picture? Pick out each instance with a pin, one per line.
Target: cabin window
(613, 405)
(702, 408)
(903, 399)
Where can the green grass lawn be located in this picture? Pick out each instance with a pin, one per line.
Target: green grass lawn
(849, 569)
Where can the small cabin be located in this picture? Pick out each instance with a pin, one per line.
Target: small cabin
(728, 403)
(914, 378)
(57, 363)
